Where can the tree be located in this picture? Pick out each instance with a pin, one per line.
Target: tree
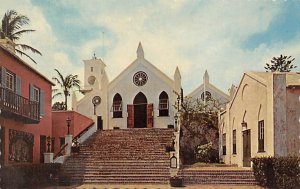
(199, 127)
(12, 22)
(280, 64)
(66, 83)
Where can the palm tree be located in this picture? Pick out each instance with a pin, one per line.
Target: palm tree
(66, 84)
(12, 23)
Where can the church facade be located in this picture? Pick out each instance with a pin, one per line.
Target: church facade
(141, 96)
(207, 91)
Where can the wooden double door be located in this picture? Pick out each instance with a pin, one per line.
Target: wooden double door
(140, 113)
(247, 148)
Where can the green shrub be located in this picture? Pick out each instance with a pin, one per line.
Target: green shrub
(280, 172)
(29, 175)
(205, 153)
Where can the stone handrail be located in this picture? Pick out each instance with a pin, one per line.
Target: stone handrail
(59, 153)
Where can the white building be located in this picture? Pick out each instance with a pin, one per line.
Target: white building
(262, 118)
(141, 96)
(211, 92)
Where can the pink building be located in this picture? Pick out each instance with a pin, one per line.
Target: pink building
(78, 123)
(25, 104)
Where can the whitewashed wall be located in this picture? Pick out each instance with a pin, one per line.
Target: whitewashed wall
(128, 90)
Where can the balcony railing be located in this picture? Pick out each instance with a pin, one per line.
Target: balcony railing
(19, 108)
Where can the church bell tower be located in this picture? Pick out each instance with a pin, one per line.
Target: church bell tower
(94, 73)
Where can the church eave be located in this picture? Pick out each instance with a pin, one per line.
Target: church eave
(148, 65)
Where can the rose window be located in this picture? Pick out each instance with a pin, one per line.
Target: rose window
(140, 78)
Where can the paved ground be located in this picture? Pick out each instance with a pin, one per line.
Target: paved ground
(154, 187)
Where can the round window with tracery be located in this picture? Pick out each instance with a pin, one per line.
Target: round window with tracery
(207, 95)
(140, 78)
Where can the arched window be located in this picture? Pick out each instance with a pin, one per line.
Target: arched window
(163, 104)
(117, 106)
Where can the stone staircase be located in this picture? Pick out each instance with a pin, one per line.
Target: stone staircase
(122, 157)
(218, 176)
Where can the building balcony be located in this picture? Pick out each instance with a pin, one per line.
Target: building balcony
(14, 106)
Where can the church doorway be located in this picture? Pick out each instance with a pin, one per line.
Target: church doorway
(246, 148)
(140, 113)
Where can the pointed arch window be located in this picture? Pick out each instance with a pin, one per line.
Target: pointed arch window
(117, 106)
(163, 104)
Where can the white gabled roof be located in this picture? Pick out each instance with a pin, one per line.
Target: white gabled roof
(208, 85)
(140, 60)
(260, 77)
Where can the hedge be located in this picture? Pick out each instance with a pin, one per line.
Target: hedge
(277, 172)
(29, 175)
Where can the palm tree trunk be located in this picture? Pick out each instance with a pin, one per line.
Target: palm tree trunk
(66, 99)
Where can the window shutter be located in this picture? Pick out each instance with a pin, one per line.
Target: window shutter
(149, 115)
(130, 116)
(42, 102)
(31, 97)
(3, 77)
(18, 85)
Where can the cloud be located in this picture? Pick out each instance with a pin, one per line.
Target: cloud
(194, 35)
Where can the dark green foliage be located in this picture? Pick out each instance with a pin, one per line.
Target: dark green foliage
(64, 180)
(263, 171)
(281, 172)
(29, 175)
(66, 84)
(199, 126)
(205, 153)
(280, 64)
(11, 27)
(176, 182)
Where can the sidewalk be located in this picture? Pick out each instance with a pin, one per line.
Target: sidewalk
(88, 186)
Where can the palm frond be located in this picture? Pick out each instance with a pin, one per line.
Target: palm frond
(19, 33)
(22, 53)
(58, 81)
(62, 80)
(55, 90)
(56, 95)
(27, 47)
(11, 25)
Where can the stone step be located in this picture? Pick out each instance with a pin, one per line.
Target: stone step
(122, 182)
(115, 166)
(122, 156)
(117, 172)
(244, 177)
(121, 177)
(222, 183)
(121, 152)
(115, 175)
(220, 177)
(217, 173)
(122, 162)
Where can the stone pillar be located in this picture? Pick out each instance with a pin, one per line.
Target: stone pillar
(68, 140)
(177, 148)
(177, 142)
(279, 108)
(48, 157)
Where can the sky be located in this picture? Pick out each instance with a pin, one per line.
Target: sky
(224, 37)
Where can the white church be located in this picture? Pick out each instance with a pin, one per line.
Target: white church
(141, 96)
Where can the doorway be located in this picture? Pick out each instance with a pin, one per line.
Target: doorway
(2, 144)
(99, 123)
(43, 144)
(247, 148)
(140, 111)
